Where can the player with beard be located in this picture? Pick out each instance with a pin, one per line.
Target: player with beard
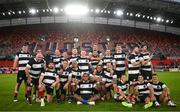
(47, 82)
(108, 81)
(86, 92)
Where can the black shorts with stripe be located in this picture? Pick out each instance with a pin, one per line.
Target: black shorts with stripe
(21, 76)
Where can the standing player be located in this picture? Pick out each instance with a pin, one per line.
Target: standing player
(33, 70)
(86, 92)
(107, 58)
(134, 64)
(47, 81)
(74, 55)
(21, 59)
(95, 59)
(146, 65)
(120, 61)
(57, 59)
(64, 57)
(84, 63)
(161, 91)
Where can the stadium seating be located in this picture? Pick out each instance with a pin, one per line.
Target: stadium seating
(13, 38)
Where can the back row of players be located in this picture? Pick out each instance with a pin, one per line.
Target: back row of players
(90, 77)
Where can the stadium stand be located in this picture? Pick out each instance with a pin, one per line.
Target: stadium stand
(51, 36)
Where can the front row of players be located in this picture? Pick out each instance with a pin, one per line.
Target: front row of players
(85, 88)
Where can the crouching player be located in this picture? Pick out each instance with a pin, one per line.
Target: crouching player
(161, 91)
(97, 77)
(144, 92)
(47, 81)
(86, 92)
(121, 91)
(108, 81)
(75, 78)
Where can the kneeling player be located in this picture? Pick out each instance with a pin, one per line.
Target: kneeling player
(86, 92)
(65, 79)
(143, 91)
(76, 77)
(48, 80)
(97, 77)
(108, 80)
(161, 91)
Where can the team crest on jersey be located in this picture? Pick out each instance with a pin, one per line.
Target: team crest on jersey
(158, 87)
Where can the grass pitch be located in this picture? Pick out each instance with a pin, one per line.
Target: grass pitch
(7, 84)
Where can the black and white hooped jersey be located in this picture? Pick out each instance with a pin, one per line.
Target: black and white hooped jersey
(63, 58)
(86, 88)
(99, 74)
(65, 74)
(158, 88)
(73, 58)
(57, 61)
(131, 68)
(107, 76)
(145, 57)
(94, 62)
(123, 85)
(23, 59)
(36, 67)
(84, 65)
(120, 60)
(143, 88)
(49, 77)
(105, 60)
(76, 73)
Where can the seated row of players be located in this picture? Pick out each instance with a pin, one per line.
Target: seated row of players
(87, 79)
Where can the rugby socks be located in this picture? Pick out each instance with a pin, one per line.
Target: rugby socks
(29, 96)
(57, 94)
(84, 101)
(15, 94)
(41, 94)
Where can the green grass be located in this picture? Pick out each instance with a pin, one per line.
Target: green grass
(7, 83)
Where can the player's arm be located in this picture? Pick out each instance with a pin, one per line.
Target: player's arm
(165, 89)
(119, 90)
(151, 90)
(41, 79)
(145, 62)
(70, 78)
(68, 81)
(56, 82)
(15, 62)
(27, 70)
(114, 64)
(133, 62)
(136, 92)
